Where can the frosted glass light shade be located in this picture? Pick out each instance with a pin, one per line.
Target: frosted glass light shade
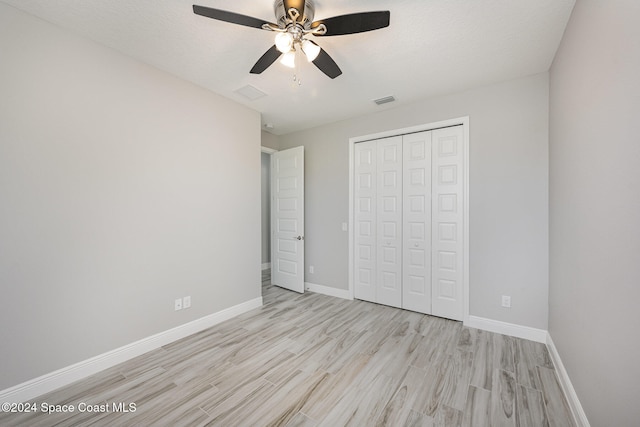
(284, 42)
(289, 59)
(310, 49)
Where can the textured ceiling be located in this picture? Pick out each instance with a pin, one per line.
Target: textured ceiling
(430, 48)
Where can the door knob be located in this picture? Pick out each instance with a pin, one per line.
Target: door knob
(299, 238)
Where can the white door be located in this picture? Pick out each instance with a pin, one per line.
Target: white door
(389, 219)
(365, 221)
(416, 253)
(287, 219)
(447, 222)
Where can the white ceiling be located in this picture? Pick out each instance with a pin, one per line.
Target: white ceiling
(431, 47)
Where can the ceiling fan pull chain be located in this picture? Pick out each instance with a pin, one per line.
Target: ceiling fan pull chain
(296, 80)
(297, 71)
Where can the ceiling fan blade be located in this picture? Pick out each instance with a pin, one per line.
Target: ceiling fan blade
(353, 23)
(234, 18)
(266, 60)
(327, 65)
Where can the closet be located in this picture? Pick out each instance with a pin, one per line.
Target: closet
(408, 216)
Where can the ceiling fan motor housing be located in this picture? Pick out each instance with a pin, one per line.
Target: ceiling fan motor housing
(283, 19)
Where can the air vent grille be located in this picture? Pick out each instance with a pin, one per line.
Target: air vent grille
(250, 92)
(384, 100)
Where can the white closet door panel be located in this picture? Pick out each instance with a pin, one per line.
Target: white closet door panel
(447, 222)
(416, 260)
(389, 221)
(365, 221)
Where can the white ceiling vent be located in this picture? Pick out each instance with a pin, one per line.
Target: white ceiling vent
(384, 100)
(250, 92)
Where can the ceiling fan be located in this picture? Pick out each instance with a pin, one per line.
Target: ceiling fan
(294, 23)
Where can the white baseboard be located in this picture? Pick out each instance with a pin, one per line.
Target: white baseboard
(541, 336)
(65, 376)
(579, 416)
(266, 266)
(526, 332)
(327, 290)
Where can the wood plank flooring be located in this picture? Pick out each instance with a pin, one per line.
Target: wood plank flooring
(313, 360)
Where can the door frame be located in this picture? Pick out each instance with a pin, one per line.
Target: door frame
(464, 121)
(269, 151)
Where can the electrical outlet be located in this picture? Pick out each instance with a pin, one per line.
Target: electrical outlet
(344, 226)
(186, 302)
(506, 301)
(311, 269)
(177, 304)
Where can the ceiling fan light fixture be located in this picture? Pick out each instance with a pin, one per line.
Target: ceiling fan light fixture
(284, 42)
(289, 59)
(310, 49)
(294, 22)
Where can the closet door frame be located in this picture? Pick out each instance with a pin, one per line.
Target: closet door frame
(464, 121)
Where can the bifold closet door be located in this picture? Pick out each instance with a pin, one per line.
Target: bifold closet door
(389, 219)
(448, 222)
(392, 218)
(365, 225)
(416, 253)
(409, 221)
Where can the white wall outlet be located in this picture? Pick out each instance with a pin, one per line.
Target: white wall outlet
(186, 302)
(311, 269)
(506, 301)
(177, 304)
(345, 227)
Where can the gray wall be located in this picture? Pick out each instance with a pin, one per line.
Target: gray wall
(595, 208)
(122, 188)
(508, 194)
(270, 140)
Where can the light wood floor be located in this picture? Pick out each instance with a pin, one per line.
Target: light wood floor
(314, 360)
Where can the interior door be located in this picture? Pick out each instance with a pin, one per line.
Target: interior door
(287, 219)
